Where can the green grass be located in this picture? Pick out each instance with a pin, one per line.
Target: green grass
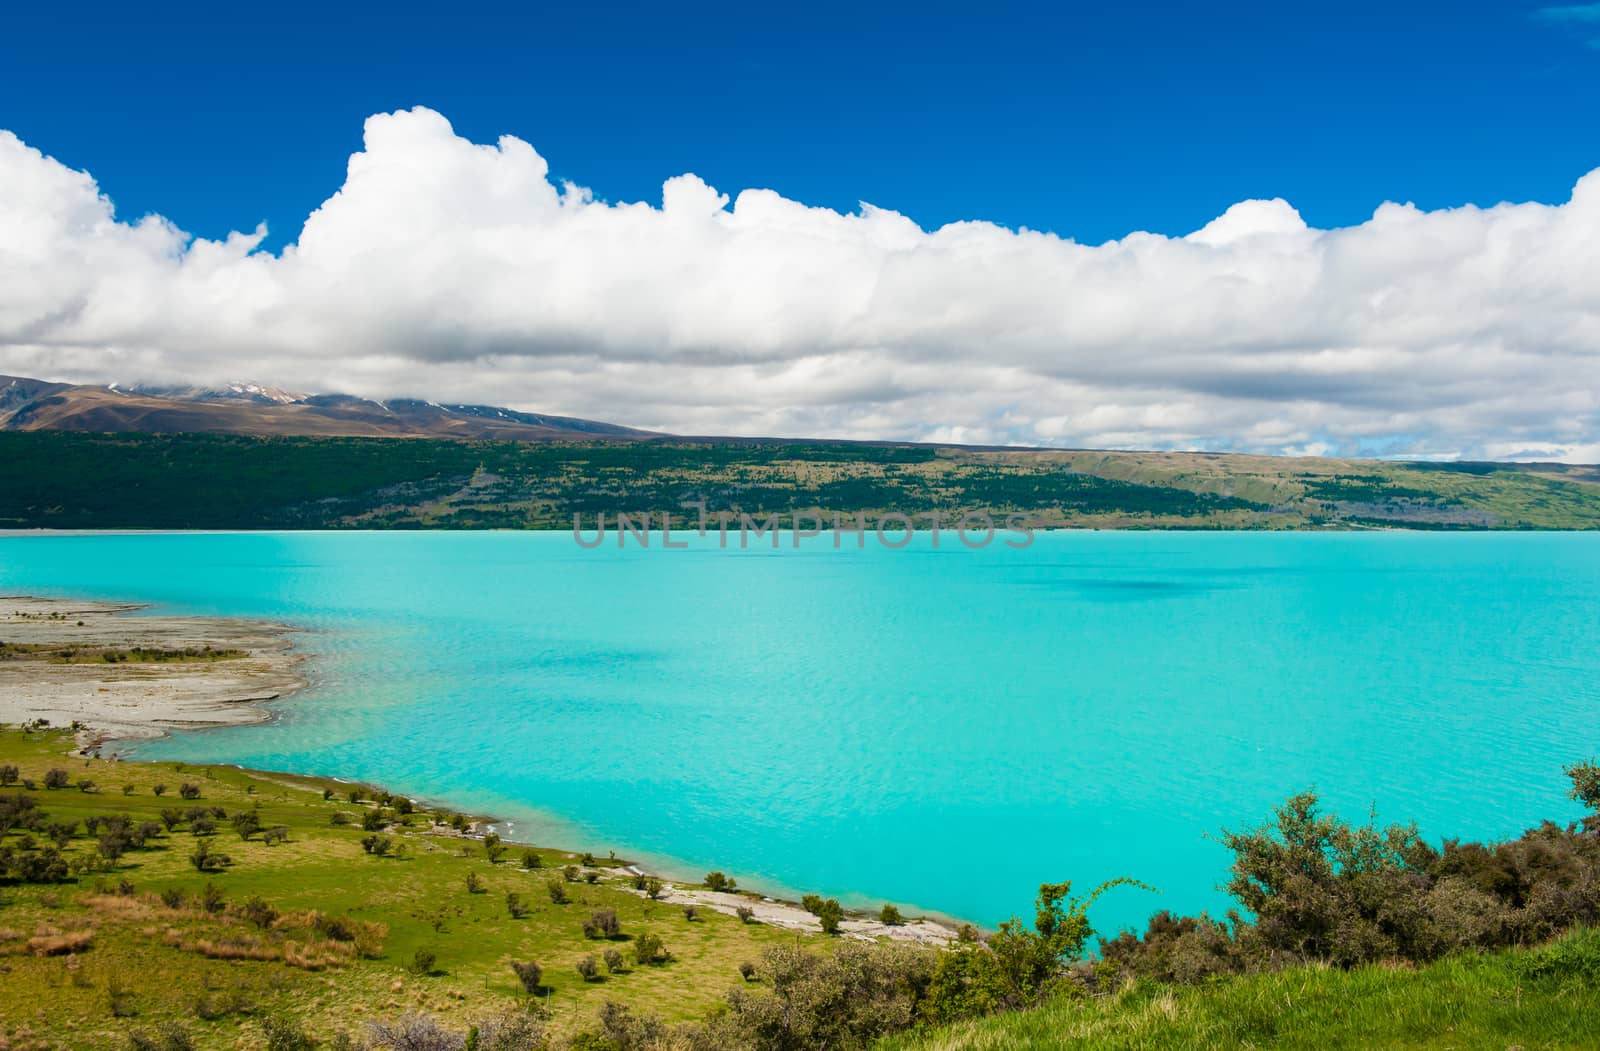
(66, 1001)
(1545, 998)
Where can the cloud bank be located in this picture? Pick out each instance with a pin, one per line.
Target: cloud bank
(458, 271)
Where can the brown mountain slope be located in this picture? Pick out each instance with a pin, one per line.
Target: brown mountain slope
(38, 405)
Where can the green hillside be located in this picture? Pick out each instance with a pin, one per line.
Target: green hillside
(196, 481)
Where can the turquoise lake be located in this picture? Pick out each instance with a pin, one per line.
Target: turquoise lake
(944, 729)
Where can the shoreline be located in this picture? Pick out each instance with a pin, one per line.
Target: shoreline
(136, 700)
(110, 702)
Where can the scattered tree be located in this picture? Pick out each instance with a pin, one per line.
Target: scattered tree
(529, 974)
(588, 968)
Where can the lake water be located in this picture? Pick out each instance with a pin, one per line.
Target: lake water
(941, 728)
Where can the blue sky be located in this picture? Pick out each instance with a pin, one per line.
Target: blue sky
(412, 168)
(1086, 120)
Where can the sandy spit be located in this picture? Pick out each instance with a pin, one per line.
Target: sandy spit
(141, 700)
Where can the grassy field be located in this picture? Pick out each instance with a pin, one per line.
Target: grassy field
(199, 481)
(1535, 1000)
(83, 962)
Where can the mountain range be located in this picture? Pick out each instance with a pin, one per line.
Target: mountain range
(257, 410)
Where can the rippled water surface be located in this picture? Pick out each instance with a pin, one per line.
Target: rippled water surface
(940, 728)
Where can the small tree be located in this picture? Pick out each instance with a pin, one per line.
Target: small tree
(745, 913)
(204, 859)
(378, 846)
(691, 912)
(588, 968)
(160, 789)
(9, 775)
(422, 961)
(653, 888)
(516, 906)
(889, 916)
(531, 860)
(614, 962)
(602, 923)
(719, 881)
(647, 949)
(171, 817)
(812, 903)
(529, 974)
(474, 883)
(189, 790)
(247, 823)
(829, 913)
(558, 891)
(493, 849)
(57, 778)
(1585, 784)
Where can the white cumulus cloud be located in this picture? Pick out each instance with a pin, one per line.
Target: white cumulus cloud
(459, 271)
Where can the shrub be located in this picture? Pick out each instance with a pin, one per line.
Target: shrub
(719, 881)
(691, 912)
(587, 859)
(602, 923)
(57, 778)
(647, 949)
(614, 962)
(588, 968)
(172, 1036)
(531, 860)
(283, 1033)
(509, 1031)
(558, 891)
(745, 913)
(85, 785)
(493, 849)
(172, 898)
(275, 835)
(639, 880)
(829, 913)
(247, 823)
(127, 790)
(516, 906)
(376, 845)
(204, 859)
(570, 873)
(9, 775)
(160, 789)
(415, 1032)
(211, 899)
(374, 821)
(812, 903)
(422, 961)
(747, 970)
(338, 818)
(889, 916)
(529, 974)
(171, 817)
(474, 883)
(257, 911)
(189, 790)
(653, 888)
(202, 826)
(591, 877)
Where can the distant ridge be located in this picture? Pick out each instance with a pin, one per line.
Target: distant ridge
(262, 411)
